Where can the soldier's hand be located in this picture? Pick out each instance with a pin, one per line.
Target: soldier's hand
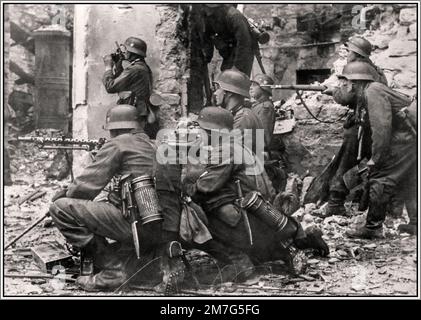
(59, 195)
(108, 60)
(329, 91)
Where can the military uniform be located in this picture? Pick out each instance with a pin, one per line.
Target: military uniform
(349, 149)
(264, 109)
(394, 152)
(228, 30)
(133, 84)
(244, 118)
(77, 216)
(215, 189)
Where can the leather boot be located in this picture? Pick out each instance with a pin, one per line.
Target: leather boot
(365, 233)
(412, 226)
(113, 265)
(335, 205)
(110, 278)
(313, 240)
(173, 268)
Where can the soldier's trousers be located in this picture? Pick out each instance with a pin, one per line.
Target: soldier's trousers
(79, 220)
(347, 161)
(398, 172)
(229, 240)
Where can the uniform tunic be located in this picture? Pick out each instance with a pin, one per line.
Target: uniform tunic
(77, 216)
(393, 150)
(229, 31)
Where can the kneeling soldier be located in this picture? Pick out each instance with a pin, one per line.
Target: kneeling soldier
(129, 212)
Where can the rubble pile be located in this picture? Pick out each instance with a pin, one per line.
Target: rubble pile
(312, 144)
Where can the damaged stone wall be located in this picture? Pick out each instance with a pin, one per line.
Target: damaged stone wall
(311, 145)
(24, 19)
(304, 37)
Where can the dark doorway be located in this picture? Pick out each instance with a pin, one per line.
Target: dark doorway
(308, 76)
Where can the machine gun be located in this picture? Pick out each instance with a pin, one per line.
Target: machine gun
(303, 87)
(92, 145)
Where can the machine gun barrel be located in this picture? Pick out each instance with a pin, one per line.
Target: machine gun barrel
(304, 87)
(65, 143)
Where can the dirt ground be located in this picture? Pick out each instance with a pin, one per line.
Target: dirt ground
(354, 267)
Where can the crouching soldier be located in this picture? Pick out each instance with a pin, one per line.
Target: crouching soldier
(387, 140)
(128, 159)
(246, 231)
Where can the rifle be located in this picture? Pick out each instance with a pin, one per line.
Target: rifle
(304, 87)
(65, 143)
(27, 230)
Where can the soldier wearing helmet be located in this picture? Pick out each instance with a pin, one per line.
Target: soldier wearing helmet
(388, 144)
(359, 50)
(233, 88)
(133, 82)
(263, 107)
(86, 223)
(228, 30)
(214, 188)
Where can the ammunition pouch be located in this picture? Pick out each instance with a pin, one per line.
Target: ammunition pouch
(146, 198)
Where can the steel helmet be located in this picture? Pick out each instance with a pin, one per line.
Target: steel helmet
(234, 81)
(358, 70)
(215, 118)
(136, 45)
(122, 116)
(263, 81)
(359, 45)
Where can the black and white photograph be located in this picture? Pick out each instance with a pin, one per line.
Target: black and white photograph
(210, 150)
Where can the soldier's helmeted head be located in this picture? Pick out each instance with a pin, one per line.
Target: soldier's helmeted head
(232, 85)
(358, 49)
(353, 78)
(215, 120)
(134, 47)
(258, 86)
(122, 118)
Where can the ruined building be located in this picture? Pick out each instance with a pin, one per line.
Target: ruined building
(55, 66)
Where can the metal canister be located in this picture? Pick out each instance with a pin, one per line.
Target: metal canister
(146, 199)
(254, 203)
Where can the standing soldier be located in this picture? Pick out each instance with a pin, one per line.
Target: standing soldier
(86, 223)
(232, 88)
(132, 83)
(392, 150)
(229, 31)
(264, 109)
(359, 49)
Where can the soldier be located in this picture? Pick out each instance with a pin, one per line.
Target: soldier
(274, 147)
(392, 151)
(359, 49)
(86, 223)
(232, 88)
(133, 82)
(215, 189)
(229, 31)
